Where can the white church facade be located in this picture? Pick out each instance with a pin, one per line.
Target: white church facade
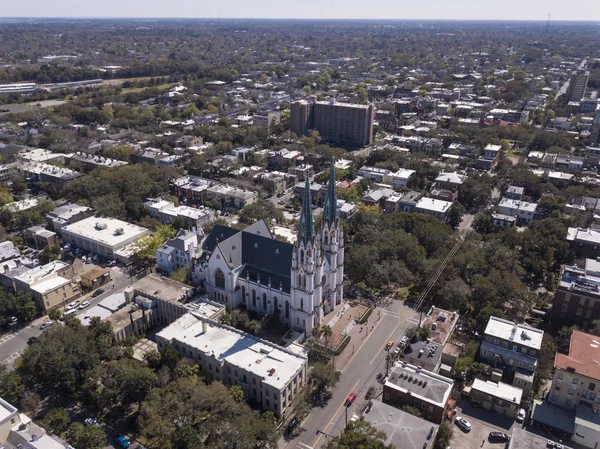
(301, 282)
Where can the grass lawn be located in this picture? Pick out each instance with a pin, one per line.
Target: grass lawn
(140, 89)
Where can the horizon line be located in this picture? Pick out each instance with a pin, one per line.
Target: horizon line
(291, 19)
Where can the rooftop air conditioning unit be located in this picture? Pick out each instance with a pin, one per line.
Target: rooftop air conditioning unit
(119, 231)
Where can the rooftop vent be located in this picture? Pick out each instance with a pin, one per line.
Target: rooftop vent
(119, 231)
(271, 371)
(100, 226)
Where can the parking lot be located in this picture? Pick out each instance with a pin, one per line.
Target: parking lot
(483, 422)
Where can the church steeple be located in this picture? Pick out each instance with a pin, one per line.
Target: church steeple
(307, 224)
(330, 212)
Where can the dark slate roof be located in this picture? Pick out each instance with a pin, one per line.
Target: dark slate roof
(219, 232)
(267, 258)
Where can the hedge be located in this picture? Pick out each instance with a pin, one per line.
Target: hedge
(363, 319)
(338, 350)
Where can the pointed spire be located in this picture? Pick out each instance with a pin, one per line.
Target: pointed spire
(307, 224)
(330, 212)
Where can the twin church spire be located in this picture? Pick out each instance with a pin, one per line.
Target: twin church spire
(330, 212)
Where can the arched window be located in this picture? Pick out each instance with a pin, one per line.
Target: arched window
(326, 238)
(301, 303)
(299, 283)
(253, 298)
(243, 295)
(219, 278)
(323, 281)
(275, 305)
(264, 301)
(301, 256)
(287, 310)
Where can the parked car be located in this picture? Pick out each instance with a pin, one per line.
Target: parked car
(123, 441)
(112, 263)
(521, 415)
(95, 258)
(350, 399)
(46, 324)
(403, 341)
(92, 421)
(83, 305)
(12, 320)
(370, 393)
(498, 437)
(67, 248)
(73, 305)
(397, 349)
(31, 340)
(98, 292)
(84, 258)
(463, 424)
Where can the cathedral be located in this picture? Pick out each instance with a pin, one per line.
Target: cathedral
(301, 282)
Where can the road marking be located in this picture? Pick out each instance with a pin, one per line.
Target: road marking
(304, 446)
(335, 414)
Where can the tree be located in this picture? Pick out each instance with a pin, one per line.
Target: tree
(412, 410)
(443, 436)
(327, 332)
(58, 419)
(11, 386)
(360, 434)
(324, 376)
(181, 275)
(261, 210)
(237, 393)
(455, 215)
(147, 246)
(19, 186)
(49, 253)
(169, 357)
(86, 436)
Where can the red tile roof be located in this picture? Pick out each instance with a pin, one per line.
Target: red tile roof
(584, 355)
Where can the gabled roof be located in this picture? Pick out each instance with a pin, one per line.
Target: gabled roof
(220, 233)
(270, 255)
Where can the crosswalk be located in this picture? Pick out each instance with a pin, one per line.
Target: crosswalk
(11, 358)
(303, 446)
(7, 337)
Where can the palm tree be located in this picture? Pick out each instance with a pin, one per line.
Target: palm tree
(327, 332)
(316, 332)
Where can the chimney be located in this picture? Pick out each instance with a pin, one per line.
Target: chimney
(204, 327)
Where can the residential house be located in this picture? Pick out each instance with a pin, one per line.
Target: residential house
(585, 242)
(179, 252)
(403, 202)
(524, 211)
(501, 222)
(67, 214)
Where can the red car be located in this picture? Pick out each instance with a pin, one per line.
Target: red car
(350, 399)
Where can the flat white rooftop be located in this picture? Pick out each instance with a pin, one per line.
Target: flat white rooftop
(49, 285)
(500, 390)
(106, 231)
(431, 204)
(583, 235)
(34, 274)
(237, 348)
(519, 333)
(6, 410)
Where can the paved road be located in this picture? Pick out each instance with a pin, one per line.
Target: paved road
(357, 377)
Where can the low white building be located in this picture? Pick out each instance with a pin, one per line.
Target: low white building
(433, 207)
(107, 237)
(401, 177)
(268, 374)
(523, 210)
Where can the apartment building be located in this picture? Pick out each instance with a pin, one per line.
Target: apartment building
(577, 85)
(166, 212)
(577, 296)
(585, 242)
(496, 396)
(510, 345)
(50, 284)
(403, 202)
(436, 208)
(414, 386)
(269, 375)
(41, 172)
(230, 197)
(524, 211)
(342, 123)
(67, 214)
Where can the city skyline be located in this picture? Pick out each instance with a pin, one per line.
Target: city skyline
(310, 9)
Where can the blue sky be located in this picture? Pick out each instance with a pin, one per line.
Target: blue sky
(367, 9)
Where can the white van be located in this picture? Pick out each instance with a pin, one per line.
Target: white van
(69, 312)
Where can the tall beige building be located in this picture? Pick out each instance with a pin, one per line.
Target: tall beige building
(341, 123)
(578, 85)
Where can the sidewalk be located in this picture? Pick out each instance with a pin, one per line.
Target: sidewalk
(358, 335)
